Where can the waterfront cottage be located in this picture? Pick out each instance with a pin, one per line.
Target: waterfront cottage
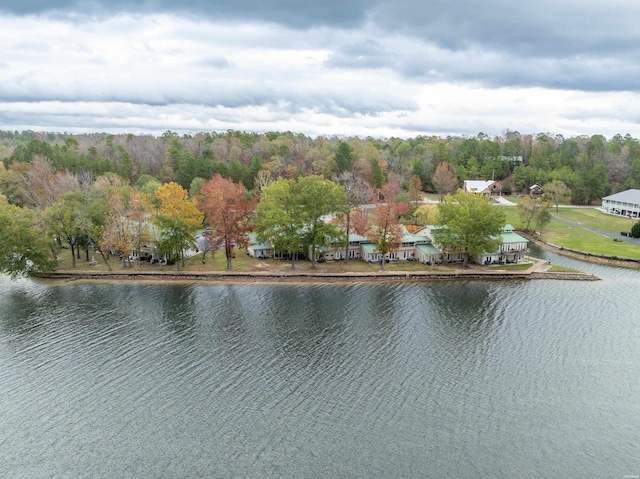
(512, 249)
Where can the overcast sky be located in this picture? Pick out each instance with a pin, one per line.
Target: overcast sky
(377, 68)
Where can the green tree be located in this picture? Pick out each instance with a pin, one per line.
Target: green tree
(62, 220)
(279, 218)
(24, 250)
(377, 175)
(469, 223)
(320, 198)
(344, 157)
(635, 230)
(556, 192)
(291, 215)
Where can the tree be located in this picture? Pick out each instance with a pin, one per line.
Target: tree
(357, 192)
(291, 215)
(279, 218)
(635, 230)
(319, 199)
(386, 231)
(344, 157)
(444, 180)
(62, 220)
(377, 175)
(23, 248)
(177, 218)
(92, 219)
(117, 235)
(534, 210)
(228, 213)
(415, 192)
(556, 192)
(469, 223)
(138, 215)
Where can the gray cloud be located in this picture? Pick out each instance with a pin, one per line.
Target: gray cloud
(333, 63)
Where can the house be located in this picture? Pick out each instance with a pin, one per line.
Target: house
(418, 246)
(626, 203)
(259, 250)
(511, 250)
(448, 254)
(535, 191)
(482, 187)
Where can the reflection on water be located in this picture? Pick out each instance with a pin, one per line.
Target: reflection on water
(418, 379)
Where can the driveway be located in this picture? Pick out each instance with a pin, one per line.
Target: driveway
(502, 201)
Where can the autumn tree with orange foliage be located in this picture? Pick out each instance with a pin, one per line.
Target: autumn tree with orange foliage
(228, 213)
(386, 231)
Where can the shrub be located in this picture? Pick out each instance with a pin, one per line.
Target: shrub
(635, 230)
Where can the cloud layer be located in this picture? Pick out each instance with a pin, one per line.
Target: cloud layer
(374, 68)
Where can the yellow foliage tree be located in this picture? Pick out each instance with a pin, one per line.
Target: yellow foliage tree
(178, 218)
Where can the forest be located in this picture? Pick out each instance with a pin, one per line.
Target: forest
(97, 190)
(591, 167)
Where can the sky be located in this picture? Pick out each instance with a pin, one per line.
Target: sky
(379, 68)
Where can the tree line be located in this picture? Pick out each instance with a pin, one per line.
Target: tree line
(591, 166)
(116, 193)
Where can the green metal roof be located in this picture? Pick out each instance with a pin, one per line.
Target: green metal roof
(253, 243)
(428, 249)
(369, 247)
(512, 238)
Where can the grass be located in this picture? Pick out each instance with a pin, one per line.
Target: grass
(512, 267)
(562, 269)
(575, 237)
(595, 218)
(241, 263)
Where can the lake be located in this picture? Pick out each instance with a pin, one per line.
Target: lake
(526, 379)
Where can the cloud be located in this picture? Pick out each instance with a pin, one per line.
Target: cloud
(352, 65)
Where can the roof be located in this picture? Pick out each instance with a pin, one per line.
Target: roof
(477, 186)
(628, 196)
(428, 249)
(253, 243)
(369, 247)
(511, 237)
(353, 237)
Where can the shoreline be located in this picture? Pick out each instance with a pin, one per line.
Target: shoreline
(538, 270)
(604, 260)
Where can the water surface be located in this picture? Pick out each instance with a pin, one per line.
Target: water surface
(380, 380)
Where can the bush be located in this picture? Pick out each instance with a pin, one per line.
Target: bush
(635, 230)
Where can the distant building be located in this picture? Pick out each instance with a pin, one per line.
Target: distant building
(535, 191)
(626, 203)
(482, 187)
(514, 160)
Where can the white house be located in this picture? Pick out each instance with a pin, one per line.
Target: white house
(482, 187)
(626, 203)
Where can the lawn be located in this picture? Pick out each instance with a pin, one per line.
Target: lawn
(241, 263)
(577, 238)
(595, 218)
